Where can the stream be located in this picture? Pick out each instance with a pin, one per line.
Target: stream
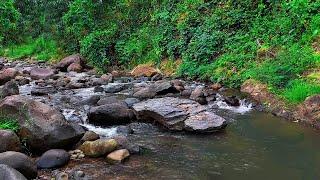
(255, 145)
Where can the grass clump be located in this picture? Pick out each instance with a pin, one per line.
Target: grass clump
(298, 90)
(9, 123)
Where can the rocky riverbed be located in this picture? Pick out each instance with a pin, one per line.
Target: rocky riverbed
(78, 124)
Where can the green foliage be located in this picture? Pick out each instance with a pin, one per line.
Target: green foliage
(298, 90)
(42, 49)
(9, 123)
(8, 21)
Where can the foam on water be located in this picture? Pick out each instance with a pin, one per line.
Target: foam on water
(106, 132)
(244, 107)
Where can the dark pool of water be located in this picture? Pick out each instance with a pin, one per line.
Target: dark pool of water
(254, 146)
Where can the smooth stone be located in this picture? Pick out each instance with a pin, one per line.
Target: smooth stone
(8, 173)
(9, 141)
(53, 158)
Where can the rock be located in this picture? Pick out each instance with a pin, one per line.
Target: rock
(9, 89)
(198, 95)
(118, 156)
(186, 93)
(42, 91)
(92, 100)
(124, 143)
(232, 101)
(216, 86)
(144, 70)
(131, 101)
(67, 61)
(110, 114)
(179, 114)
(116, 87)
(20, 162)
(62, 176)
(107, 78)
(9, 141)
(7, 74)
(309, 110)
(75, 67)
(8, 173)
(98, 89)
(53, 158)
(42, 126)
(41, 73)
(164, 87)
(156, 77)
(178, 85)
(22, 80)
(115, 73)
(76, 154)
(145, 93)
(125, 130)
(90, 136)
(110, 100)
(98, 147)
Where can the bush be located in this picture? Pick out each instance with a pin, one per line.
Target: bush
(99, 47)
(8, 21)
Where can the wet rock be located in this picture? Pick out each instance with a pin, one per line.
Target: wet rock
(98, 89)
(75, 67)
(42, 126)
(131, 101)
(198, 95)
(67, 61)
(178, 85)
(41, 73)
(20, 162)
(9, 141)
(92, 100)
(163, 88)
(156, 77)
(109, 100)
(22, 80)
(8, 173)
(9, 89)
(118, 156)
(186, 93)
(116, 87)
(98, 147)
(144, 70)
(42, 91)
(232, 101)
(7, 74)
(110, 114)
(125, 130)
(75, 85)
(124, 143)
(179, 114)
(53, 158)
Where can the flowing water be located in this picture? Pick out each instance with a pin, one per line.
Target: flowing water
(255, 145)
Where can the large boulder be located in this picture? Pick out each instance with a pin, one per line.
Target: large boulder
(67, 61)
(110, 114)
(20, 162)
(9, 89)
(9, 141)
(41, 73)
(8, 173)
(53, 158)
(75, 67)
(98, 147)
(42, 126)
(7, 74)
(179, 114)
(144, 70)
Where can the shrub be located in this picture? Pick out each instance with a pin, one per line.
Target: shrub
(8, 21)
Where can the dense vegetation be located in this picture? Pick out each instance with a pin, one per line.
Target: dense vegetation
(276, 42)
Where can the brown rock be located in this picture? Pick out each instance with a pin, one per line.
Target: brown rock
(216, 86)
(7, 74)
(41, 73)
(76, 67)
(66, 62)
(98, 147)
(118, 156)
(144, 70)
(9, 141)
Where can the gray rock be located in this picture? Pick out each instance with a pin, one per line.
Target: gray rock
(9, 89)
(116, 87)
(8, 173)
(7, 75)
(20, 162)
(131, 101)
(42, 126)
(179, 114)
(9, 141)
(110, 114)
(41, 91)
(41, 73)
(53, 158)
